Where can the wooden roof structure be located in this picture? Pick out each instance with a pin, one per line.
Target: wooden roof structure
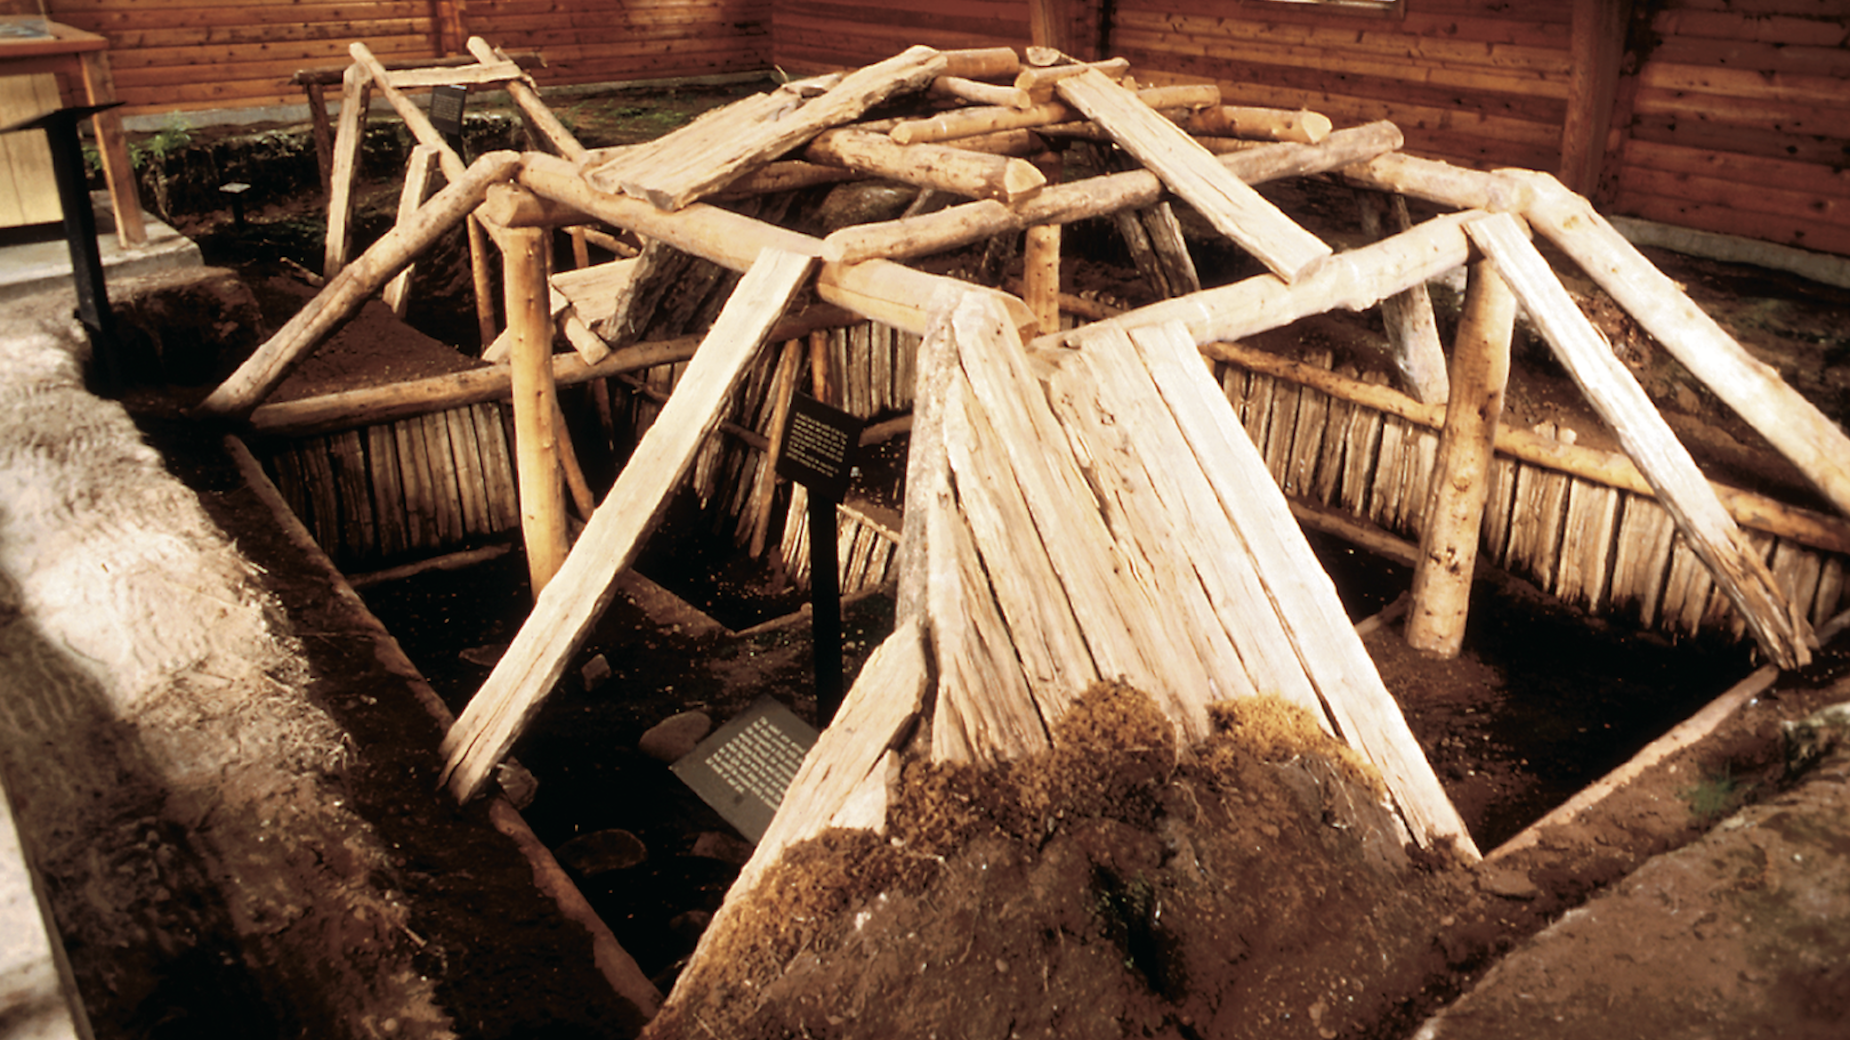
(1082, 502)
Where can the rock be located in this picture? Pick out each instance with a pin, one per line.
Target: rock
(595, 672)
(722, 847)
(600, 852)
(674, 737)
(485, 656)
(1507, 882)
(517, 784)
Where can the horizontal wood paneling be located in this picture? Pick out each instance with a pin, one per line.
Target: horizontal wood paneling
(810, 36)
(1741, 122)
(184, 55)
(1477, 83)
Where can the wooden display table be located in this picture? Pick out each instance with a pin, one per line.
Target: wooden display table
(84, 58)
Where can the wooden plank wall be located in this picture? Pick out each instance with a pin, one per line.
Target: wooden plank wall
(813, 36)
(191, 55)
(1476, 82)
(1741, 121)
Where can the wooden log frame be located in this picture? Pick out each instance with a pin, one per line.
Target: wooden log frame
(536, 440)
(1233, 208)
(1778, 626)
(696, 160)
(1450, 537)
(577, 595)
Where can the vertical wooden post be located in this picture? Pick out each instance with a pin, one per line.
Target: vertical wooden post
(1448, 546)
(542, 497)
(1040, 275)
(419, 172)
(1598, 45)
(484, 288)
(118, 172)
(355, 95)
(1412, 330)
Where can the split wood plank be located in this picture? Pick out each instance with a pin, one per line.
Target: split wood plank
(1055, 660)
(1330, 462)
(447, 496)
(1789, 422)
(984, 711)
(1535, 527)
(471, 481)
(1781, 629)
(1192, 172)
(419, 172)
(1362, 711)
(1113, 611)
(1641, 560)
(572, 602)
(414, 477)
(1587, 546)
(705, 155)
(1447, 563)
(277, 356)
(927, 463)
(783, 385)
(382, 462)
(1155, 446)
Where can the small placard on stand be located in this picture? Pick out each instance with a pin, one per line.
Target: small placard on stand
(446, 112)
(820, 444)
(743, 769)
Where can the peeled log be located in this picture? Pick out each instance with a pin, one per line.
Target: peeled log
(278, 356)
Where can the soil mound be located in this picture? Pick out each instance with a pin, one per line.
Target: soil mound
(1252, 886)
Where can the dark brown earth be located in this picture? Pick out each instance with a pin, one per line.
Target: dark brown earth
(1243, 888)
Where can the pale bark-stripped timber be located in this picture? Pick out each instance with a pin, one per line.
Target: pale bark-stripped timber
(1307, 442)
(927, 465)
(446, 493)
(1353, 280)
(525, 266)
(414, 471)
(1781, 630)
(278, 355)
(958, 171)
(497, 466)
(1392, 460)
(1330, 456)
(287, 471)
(1194, 174)
(794, 546)
(1641, 560)
(1752, 388)
(1113, 612)
(1363, 712)
(783, 385)
(1361, 454)
(348, 466)
(1415, 496)
(1686, 589)
(874, 717)
(1223, 567)
(1499, 508)
(1830, 590)
(1454, 510)
(1255, 407)
(571, 602)
(698, 159)
(1797, 569)
(1055, 659)
(1587, 546)
(388, 497)
(983, 709)
(471, 483)
(419, 172)
(1281, 428)
(1535, 524)
(356, 90)
(1412, 330)
(1154, 543)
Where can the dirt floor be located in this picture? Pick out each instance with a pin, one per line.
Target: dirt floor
(1248, 888)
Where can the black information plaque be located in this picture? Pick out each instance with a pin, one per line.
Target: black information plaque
(820, 443)
(744, 767)
(446, 110)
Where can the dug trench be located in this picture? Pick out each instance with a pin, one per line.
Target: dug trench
(1249, 841)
